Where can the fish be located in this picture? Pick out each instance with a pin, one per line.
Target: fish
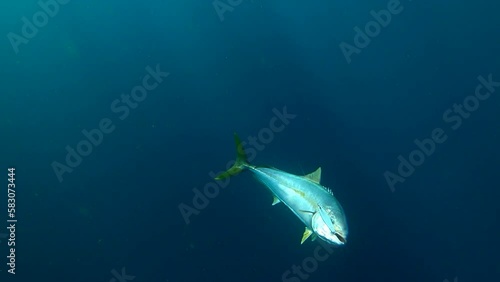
(314, 204)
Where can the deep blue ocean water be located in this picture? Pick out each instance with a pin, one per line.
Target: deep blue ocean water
(116, 114)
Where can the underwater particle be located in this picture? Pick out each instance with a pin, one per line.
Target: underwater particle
(190, 247)
(84, 212)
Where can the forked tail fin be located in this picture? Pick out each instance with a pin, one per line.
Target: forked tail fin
(241, 161)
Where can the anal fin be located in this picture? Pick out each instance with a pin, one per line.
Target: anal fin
(276, 200)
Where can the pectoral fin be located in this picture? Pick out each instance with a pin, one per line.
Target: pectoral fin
(308, 232)
(307, 212)
(326, 218)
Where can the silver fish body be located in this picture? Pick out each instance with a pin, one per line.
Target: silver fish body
(313, 204)
(307, 199)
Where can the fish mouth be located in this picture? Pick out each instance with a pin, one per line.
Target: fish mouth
(341, 238)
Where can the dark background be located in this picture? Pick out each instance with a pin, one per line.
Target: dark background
(119, 207)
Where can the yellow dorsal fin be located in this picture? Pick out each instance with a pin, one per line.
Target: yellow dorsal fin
(308, 232)
(314, 176)
(276, 200)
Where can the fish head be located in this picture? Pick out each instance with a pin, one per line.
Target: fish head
(330, 227)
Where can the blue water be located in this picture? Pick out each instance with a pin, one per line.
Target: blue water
(103, 179)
